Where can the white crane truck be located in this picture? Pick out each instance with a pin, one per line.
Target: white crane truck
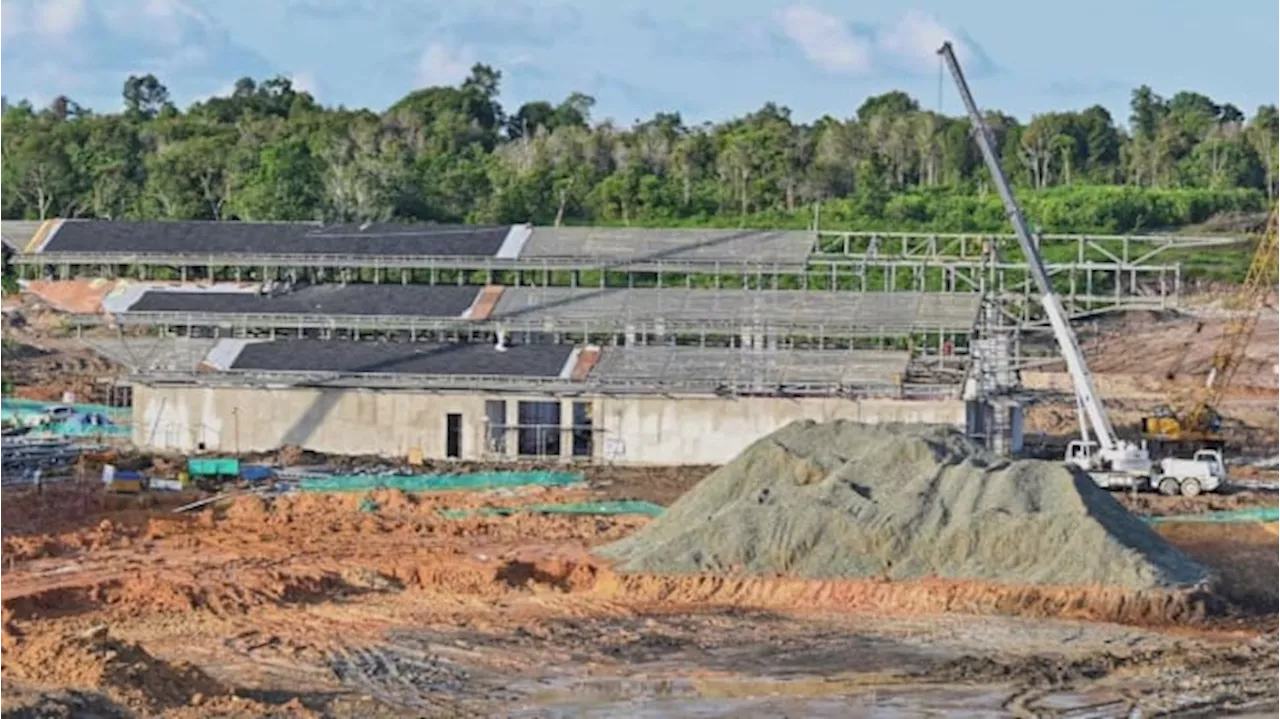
(1113, 463)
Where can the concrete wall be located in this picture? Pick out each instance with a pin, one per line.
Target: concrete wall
(713, 430)
(338, 421)
(630, 430)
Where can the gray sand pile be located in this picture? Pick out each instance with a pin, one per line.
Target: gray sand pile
(843, 499)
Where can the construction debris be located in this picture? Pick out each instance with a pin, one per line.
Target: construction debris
(22, 458)
(898, 502)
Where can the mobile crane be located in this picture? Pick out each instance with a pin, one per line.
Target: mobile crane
(1109, 460)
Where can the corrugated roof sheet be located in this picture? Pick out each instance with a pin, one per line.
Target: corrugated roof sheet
(367, 300)
(277, 238)
(403, 358)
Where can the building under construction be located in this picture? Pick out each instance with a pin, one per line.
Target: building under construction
(623, 345)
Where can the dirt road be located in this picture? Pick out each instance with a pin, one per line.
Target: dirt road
(312, 607)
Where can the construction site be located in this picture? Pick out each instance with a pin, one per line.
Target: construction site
(302, 469)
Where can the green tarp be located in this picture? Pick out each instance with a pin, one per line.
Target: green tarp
(648, 509)
(1240, 516)
(213, 466)
(439, 482)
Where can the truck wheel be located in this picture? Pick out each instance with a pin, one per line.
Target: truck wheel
(1168, 486)
(1190, 487)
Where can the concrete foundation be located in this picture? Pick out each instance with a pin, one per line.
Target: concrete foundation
(640, 430)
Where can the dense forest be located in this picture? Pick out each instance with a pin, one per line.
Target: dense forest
(454, 154)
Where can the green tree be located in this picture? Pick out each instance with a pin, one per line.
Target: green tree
(286, 184)
(266, 150)
(145, 96)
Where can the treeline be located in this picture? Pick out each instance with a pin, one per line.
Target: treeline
(454, 154)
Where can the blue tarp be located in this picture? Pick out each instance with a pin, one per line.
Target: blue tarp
(256, 472)
(86, 425)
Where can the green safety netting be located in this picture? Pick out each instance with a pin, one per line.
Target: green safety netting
(76, 428)
(438, 482)
(1260, 515)
(648, 509)
(14, 407)
(86, 420)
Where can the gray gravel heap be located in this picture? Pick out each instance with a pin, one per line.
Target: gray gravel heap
(844, 499)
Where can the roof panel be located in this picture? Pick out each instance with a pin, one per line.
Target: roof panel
(17, 234)
(745, 307)
(367, 300)
(767, 367)
(277, 238)
(651, 245)
(403, 358)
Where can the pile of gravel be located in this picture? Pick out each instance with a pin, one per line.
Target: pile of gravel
(843, 499)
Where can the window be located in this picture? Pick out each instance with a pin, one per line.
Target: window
(539, 429)
(582, 429)
(453, 436)
(495, 419)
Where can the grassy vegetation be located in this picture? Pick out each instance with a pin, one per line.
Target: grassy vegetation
(1102, 209)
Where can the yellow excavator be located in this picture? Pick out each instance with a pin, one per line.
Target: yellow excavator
(1199, 422)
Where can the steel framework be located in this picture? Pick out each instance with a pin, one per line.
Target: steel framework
(1091, 272)
(603, 330)
(547, 386)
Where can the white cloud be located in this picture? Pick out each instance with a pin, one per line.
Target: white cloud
(914, 40)
(911, 43)
(441, 65)
(168, 21)
(99, 42)
(304, 82)
(826, 40)
(11, 20)
(57, 18)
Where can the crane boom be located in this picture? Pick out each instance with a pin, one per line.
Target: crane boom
(1081, 378)
(1199, 421)
(1250, 299)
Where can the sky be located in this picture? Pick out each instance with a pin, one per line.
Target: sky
(708, 59)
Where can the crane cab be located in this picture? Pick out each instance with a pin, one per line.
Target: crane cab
(1081, 454)
(1125, 467)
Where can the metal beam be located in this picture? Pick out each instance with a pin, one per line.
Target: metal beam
(482, 383)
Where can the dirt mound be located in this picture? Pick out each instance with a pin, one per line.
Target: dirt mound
(124, 671)
(897, 502)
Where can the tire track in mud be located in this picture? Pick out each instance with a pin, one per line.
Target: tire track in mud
(403, 677)
(1184, 678)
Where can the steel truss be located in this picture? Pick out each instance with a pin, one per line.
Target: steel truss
(1091, 272)
(547, 386)
(603, 330)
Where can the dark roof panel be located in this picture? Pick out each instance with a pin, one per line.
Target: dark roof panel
(403, 358)
(277, 238)
(369, 300)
